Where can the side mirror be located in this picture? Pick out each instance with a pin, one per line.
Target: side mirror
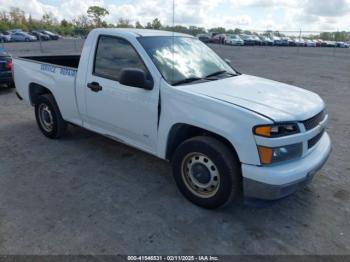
(136, 78)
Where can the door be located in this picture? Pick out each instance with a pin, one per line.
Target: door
(123, 112)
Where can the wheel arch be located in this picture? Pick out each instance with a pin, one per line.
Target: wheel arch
(180, 132)
(36, 90)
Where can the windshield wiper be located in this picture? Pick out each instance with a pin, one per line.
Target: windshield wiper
(187, 80)
(219, 73)
(193, 79)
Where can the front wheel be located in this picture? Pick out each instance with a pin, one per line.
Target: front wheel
(207, 172)
(49, 118)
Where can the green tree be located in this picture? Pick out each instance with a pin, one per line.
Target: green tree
(219, 30)
(4, 17)
(237, 31)
(64, 23)
(341, 36)
(82, 21)
(194, 30)
(16, 15)
(326, 36)
(279, 34)
(124, 23)
(97, 13)
(138, 25)
(156, 24)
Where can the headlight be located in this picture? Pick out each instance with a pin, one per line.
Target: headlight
(277, 130)
(278, 154)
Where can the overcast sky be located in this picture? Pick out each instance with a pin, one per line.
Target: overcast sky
(247, 14)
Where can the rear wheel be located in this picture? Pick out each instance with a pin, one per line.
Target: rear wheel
(49, 118)
(207, 172)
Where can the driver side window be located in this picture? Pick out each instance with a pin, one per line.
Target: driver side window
(114, 54)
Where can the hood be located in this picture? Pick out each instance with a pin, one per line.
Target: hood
(275, 100)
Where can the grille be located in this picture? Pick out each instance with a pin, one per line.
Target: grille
(314, 121)
(313, 141)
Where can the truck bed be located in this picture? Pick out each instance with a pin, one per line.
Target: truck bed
(56, 73)
(66, 60)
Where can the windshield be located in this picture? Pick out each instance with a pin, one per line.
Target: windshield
(184, 58)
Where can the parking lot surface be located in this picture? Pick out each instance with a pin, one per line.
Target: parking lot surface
(86, 194)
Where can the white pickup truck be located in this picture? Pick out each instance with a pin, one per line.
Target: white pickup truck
(226, 134)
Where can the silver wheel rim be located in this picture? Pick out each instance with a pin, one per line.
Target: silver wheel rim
(200, 175)
(45, 117)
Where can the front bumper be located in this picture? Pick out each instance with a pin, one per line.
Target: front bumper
(278, 181)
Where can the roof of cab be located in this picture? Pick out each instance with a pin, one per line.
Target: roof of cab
(139, 32)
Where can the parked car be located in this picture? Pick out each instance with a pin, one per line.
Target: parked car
(331, 43)
(4, 38)
(284, 41)
(322, 43)
(257, 40)
(204, 38)
(310, 43)
(244, 133)
(11, 31)
(52, 36)
(248, 40)
(300, 42)
(342, 45)
(218, 39)
(291, 41)
(6, 69)
(22, 37)
(266, 41)
(317, 42)
(277, 41)
(233, 39)
(212, 34)
(40, 36)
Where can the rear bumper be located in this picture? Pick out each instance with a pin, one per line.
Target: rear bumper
(276, 182)
(6, 79)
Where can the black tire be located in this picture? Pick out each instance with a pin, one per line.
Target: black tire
(59, 126)
(227, 163)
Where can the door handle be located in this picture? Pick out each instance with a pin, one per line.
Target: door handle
(94, 86)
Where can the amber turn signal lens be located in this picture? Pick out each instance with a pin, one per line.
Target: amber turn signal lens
(265, 154)
(263, 131)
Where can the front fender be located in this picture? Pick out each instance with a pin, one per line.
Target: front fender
(226, 120)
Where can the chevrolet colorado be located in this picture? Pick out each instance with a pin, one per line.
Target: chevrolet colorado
(168, 94)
